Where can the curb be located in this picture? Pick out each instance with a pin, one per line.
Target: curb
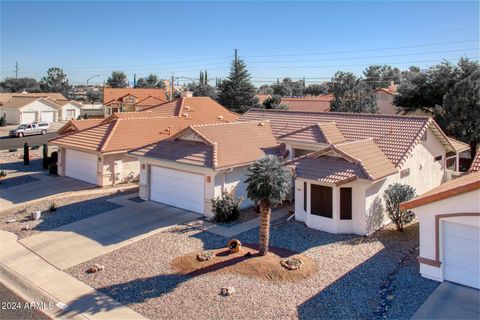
(32, 293)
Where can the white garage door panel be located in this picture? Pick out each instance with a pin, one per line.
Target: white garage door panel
(81, 166)
(47, 116)
(462, 254)
(28, 117)
(177, 188)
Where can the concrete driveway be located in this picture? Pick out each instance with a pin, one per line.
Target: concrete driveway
(86, 239)
(451, 301)
(36, 186)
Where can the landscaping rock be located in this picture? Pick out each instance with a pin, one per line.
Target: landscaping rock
(36, 215)
(26, 228)
(95, 268)
(227, 291)
(291, 263)
(205, 256)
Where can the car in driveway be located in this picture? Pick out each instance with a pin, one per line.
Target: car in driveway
(30, 129)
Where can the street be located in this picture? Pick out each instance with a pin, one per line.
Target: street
(13, 307)
(7, 142)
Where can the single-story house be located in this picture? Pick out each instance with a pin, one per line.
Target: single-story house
(202, 162)
(449, 217)
(98, 153)
(7, 96)
(77, 125)
(343, 162)
(69, 110)
(125, 99)
(20, 110)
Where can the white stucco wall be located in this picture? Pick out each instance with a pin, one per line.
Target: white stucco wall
(14, 115)
(464, 203)
(233, 181)
(128, 166)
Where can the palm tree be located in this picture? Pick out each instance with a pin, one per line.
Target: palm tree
(267, 186)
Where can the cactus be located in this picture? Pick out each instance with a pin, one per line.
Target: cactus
(26, 154)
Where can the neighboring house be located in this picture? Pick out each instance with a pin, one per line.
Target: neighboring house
(385, 96)
(125, 99)
(202, 162)
(343, 162)
(311, 104)
(77, 125)
(20, 110)
(449, 217)
(69, 110)
(148, 103)
(98, 154)
(92, 110)
(5, 97)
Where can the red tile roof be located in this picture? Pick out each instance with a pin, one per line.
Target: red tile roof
(466, 183)
(216, 145)
(326, 132)
(475, 166)
(395, 135)
(312, 104)
(77, 125)
(110, 94)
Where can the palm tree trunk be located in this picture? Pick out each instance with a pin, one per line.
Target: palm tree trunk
(264, 231)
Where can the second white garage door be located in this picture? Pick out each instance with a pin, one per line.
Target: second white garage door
(81, 165)
(47, 116)
(462, 254)
(28, 117)
(177, 188)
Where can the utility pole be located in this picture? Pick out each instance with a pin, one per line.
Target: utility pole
(134, 80)
(16, 70)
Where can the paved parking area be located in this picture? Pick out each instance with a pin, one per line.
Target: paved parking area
(83, 240)
(42, 186)
(451, 301)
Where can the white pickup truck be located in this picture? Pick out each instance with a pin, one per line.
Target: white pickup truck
(30, 129)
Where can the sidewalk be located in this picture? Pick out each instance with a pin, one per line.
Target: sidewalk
(30, 275)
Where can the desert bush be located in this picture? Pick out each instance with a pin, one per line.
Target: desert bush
(394, 195)
(3, 122)
(226, 208)
(52, 207)
(12, 150)
(54, 157)
(3, 174)
(53, 169)
(35, 147)
(26, 154)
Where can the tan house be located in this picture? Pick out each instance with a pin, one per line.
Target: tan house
(98, 153)
(126, 99)
(343, 162)
(6, 96)
(449, 217)
(202, 162)
(23, 109)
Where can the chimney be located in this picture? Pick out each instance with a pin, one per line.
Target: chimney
(187, 108)
(392, 87)
(185, 115)
(220, 117)
(186, 94)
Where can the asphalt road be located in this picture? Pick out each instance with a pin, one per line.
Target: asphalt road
(7, 142)
(15, 308)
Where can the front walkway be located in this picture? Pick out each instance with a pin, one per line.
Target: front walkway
(451, 301)
(71, 244)
(31, 276)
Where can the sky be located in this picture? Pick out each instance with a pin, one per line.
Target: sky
(276, 39)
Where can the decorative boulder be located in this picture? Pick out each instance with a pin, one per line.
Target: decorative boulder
(227, 291)
(291, 263)
(234, 245)
(205, 256)
(95, 268)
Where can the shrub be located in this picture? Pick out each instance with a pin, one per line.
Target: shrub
(12, 150)
(226, 208)
(85, 116)
(54, 157)
(3, 122)
(52, 207)
(53, 169)
(45, 160)
(394, 195)
(26, 154)
(3, 174)
(35, 147)
(79, 117)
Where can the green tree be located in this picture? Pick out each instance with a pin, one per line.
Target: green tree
(378, 76)
(316, 89)
(274, 102)
(289, 88)
(118, 79)
(151, 81)
(26, 154)
(55, 81)
(20, 85)
(93, 95)
(202, 90)
(351, 94)
(265, 89)
(394, 195)
(448, 91)
(267, 185)
(236, 92)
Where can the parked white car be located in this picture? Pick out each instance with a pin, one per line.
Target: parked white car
(30, 129)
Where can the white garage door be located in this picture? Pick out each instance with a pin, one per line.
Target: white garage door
(81, 165)
(462, 254)
(28, 117)
(177, 188)
(47, 116)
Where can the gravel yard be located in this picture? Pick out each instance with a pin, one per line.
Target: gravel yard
(12, 163)
(68, 210)
(351, 273)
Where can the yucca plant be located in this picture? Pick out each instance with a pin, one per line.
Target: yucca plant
(268, 187)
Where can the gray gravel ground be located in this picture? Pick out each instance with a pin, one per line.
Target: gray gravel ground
(351, 271)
